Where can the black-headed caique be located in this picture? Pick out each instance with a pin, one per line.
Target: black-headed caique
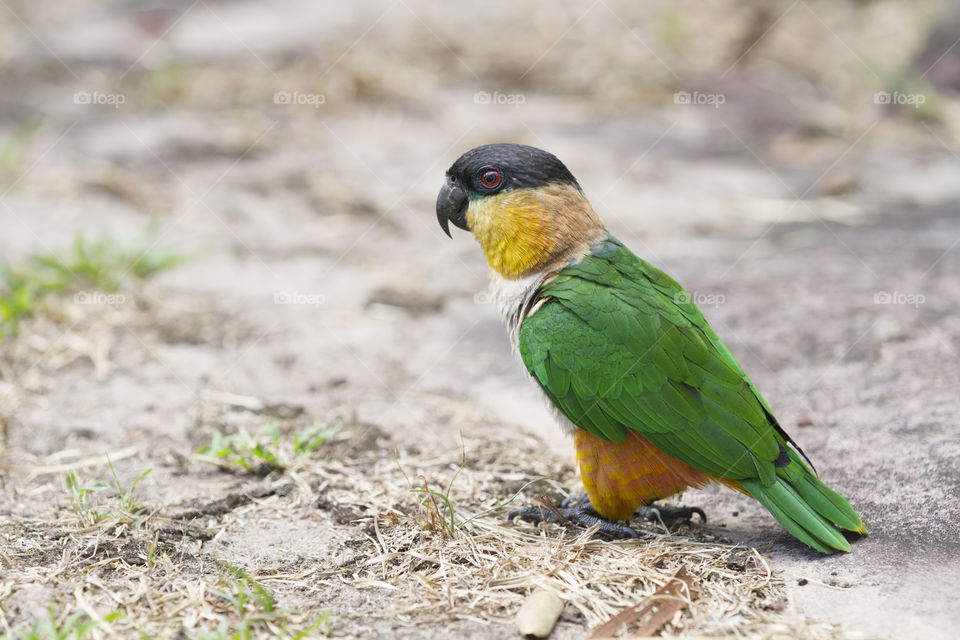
(653, 399)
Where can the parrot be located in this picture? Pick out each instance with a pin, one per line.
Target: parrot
(653, 399)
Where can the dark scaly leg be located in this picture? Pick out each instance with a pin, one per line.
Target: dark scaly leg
(578, 510)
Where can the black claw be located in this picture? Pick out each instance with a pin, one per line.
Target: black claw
(533, 514)
(671, 513)
(574, 498)
(582, 513)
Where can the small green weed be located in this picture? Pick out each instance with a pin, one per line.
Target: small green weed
(106, 264)
(127, 503)
(103, 264)
(264, 451)
(74, 626)
(312, 437)
(20, 296)
(84, 502)
(81, 499)
(258, 607)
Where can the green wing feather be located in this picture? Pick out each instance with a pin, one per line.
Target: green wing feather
(618, 346)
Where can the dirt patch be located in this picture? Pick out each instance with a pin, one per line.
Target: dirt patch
(399, 540)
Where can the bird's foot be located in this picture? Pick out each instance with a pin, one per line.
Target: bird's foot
(660, 513)
(578, 510)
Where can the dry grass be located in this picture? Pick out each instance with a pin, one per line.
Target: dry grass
(484, 570)
(417, 540)
(426, 544)
(150, 571)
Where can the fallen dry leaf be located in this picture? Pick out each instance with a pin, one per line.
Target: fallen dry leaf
(664, 604)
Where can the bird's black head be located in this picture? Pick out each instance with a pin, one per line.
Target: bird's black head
(491, 169)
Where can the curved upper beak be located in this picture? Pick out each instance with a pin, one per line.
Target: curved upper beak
(452, 207)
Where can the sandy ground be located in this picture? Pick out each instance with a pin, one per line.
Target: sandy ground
(818, 230)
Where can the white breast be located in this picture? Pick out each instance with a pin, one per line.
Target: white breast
(516, 301)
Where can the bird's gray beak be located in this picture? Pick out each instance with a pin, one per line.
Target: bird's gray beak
(452, 207)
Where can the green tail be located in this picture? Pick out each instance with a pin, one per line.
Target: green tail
(806, 507)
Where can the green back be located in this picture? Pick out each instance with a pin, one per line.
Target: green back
(618, 345)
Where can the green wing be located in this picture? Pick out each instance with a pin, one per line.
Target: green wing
(619, 346)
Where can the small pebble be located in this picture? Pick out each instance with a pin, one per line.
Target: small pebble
(539, 614)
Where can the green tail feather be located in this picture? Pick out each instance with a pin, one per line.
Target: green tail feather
(807, 508)
(822, 498)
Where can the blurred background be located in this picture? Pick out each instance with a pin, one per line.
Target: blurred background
(260, 178)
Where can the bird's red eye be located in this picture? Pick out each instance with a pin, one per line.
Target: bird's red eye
(490, 179)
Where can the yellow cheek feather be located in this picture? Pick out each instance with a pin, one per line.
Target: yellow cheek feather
(523, 230)
(510, 227)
